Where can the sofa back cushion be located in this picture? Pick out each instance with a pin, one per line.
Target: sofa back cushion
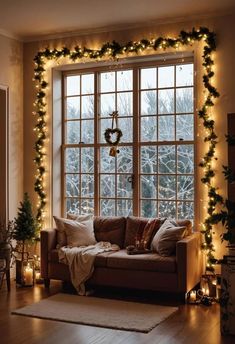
(137, 227)
(111, 229)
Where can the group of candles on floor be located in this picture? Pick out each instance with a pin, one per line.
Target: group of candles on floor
(208, 293)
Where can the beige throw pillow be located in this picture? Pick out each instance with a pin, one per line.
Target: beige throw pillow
(79, 233)
(61, 235)
(164, 241)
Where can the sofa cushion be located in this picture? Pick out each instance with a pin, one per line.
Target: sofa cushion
(111, 229)
(187, 224)
(148, 261)
(164, 241)
(150, 229)
(59, 221)
(136, 227)
(79, 233)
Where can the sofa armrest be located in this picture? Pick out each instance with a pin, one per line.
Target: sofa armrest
(48, 243)
(189, 262)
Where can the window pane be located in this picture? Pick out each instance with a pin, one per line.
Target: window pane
(107, 82)
(184, 75)
(87, 83)
(107, 186)
(107, 104)
(107, 207)
(87, 106)
(124, 160)
(148, 78)
(148, 129)
(184, 127)
(185, 210)
(166, 128)
(87, 185)
(125, 104)
(72, 185)
(166, 76)
(184, 100)
(125, 124)
(87, 206)
(166, 101)
(107, 162)
(72, 206)
(167, 209)
(148, 103)
(124, 187)
(124, 80)
(148, 208)
(72, 160)
(149, 186)
(149, 159)
(87, 160)
(167, 187)
(73, 132)
(73, 85)
(185, 158)
(166, 156)
(185, 187)
(73, 108)
(87, 131)
(124, 207)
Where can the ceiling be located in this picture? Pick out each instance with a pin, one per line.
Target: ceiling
(33, 19)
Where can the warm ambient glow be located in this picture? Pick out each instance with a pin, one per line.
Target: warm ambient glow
(115, 50)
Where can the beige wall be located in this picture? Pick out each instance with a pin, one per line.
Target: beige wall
(11, 75)
(225, 81)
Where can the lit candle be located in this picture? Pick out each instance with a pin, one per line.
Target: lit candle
(193, 295)
(38, 275)
(28, 275)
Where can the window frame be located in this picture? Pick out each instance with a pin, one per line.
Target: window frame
(136, 144)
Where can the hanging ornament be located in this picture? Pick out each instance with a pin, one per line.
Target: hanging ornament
(114, 131)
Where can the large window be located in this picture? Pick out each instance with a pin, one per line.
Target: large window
(153, 173)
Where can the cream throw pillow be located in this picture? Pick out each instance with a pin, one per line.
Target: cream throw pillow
(60, 221)
(164, 241)
(79, 233)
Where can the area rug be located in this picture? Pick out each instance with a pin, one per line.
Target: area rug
(108, 313)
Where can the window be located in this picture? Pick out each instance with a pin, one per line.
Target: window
(153, 174)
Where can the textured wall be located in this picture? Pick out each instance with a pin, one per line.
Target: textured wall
(11, 75)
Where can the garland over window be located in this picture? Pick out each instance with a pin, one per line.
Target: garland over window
(115, 50)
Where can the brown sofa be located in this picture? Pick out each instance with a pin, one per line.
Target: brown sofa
(177, 273)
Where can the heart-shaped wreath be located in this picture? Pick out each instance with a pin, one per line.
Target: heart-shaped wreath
(108, 136)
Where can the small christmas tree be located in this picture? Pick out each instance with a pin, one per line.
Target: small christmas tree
(25, 227)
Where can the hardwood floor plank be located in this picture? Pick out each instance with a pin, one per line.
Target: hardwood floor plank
(190, 324)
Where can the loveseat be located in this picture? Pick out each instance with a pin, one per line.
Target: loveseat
(176, 273)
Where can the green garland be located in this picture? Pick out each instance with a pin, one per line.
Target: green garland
(115, 50)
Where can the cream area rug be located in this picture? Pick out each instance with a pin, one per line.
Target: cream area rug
(115, 314)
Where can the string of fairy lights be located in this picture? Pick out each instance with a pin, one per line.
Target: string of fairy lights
(115, 50)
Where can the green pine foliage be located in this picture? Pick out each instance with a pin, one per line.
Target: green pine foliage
(25, 228)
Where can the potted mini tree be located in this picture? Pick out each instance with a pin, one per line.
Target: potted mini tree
(25, 231)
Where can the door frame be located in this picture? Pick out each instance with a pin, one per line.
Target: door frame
(5, 172)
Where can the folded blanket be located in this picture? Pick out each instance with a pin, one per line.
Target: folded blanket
(81, 261)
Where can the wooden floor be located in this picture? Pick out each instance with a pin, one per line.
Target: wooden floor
(190, 324)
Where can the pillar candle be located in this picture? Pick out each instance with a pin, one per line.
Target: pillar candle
(28, 275)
